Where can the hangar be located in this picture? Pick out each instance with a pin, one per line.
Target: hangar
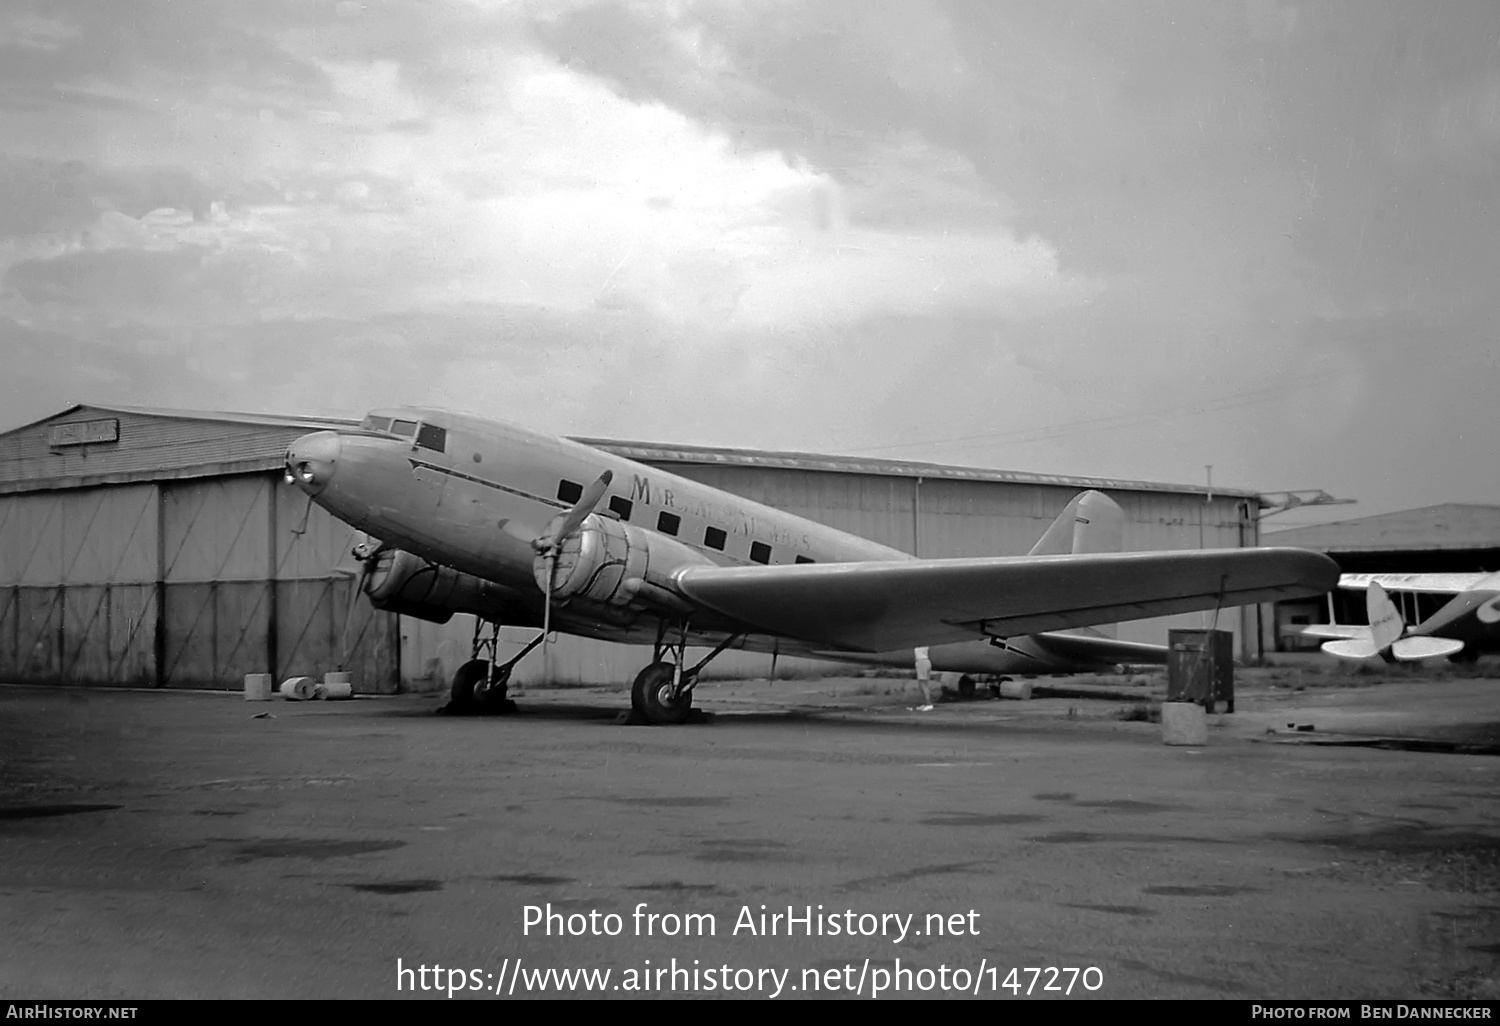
(1452, 537)
(160, 548)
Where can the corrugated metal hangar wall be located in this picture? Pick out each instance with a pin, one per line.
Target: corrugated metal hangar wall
(193, 580)
(158, 548)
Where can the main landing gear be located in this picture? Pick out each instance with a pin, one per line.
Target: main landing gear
(663, 692)
(480, 685)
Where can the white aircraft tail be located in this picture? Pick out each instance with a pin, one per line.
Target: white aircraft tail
(1092, 522)
(1386, 635)
(1386, 624)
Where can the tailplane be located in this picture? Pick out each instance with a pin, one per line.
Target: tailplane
(1386, 636)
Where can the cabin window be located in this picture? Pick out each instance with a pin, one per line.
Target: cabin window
(668, 523)
(378, 423)
(404, 428)
(713, 538)
(620, 506)
(430, 436)
(760, 552)
(804, 559)
(569, 491)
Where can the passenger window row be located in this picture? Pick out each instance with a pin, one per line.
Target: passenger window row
(669, 523)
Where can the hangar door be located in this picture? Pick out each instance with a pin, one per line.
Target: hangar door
(78, 586)
(254, 581)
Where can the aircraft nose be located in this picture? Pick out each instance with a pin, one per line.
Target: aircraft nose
(311, 459)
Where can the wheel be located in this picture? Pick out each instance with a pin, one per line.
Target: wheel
(649, 696)
(492, 694)
(470, 695)
(461, 695)
(966, 688)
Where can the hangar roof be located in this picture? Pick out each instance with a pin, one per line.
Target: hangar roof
(655, 452)
(68, 449)
(1452, 525)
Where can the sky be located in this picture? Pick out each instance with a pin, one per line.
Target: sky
(1131, 240)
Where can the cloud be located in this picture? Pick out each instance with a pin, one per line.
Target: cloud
(1067, 238)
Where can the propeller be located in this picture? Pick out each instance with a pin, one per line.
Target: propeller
(547, 546)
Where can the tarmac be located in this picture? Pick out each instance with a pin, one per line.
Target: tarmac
(1337, 837)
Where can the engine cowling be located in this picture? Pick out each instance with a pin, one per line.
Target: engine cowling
(617, 564)
(406, 584)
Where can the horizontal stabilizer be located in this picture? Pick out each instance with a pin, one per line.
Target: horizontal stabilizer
(1412, 649)
(1406, 649)
(1354, 648)
(1335, 630)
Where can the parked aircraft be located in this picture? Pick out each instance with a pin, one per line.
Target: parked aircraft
(1459, 630)
(469, 515)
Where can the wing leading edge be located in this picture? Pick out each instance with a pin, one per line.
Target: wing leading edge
(883, 605)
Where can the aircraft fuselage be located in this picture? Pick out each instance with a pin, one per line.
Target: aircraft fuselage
(473, 494)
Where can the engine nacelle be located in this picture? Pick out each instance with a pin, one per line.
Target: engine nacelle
(409, 585)
(618, 564)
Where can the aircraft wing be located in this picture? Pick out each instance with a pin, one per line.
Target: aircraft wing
(1084, 648)
(1430, 584)
(1335, 630)
(883, 605)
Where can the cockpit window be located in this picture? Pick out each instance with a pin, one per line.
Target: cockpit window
(374, 423)
(405, 428)
(430, 436)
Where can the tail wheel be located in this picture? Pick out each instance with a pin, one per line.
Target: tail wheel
(651, 696)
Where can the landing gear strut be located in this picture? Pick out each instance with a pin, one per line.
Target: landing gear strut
(480, 685)
(663, 692)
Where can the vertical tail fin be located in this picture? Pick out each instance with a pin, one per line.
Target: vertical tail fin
(1386, 624)
(1092, 522)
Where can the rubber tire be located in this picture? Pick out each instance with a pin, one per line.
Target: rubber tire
(461, 695)
(646, 696)
(966, 688)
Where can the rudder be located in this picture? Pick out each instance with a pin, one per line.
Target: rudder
(1092, 522)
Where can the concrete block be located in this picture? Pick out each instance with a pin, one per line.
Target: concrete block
(336, 684)
(1183, 723)
(257, 687)
(1015, 689)
(298, 689)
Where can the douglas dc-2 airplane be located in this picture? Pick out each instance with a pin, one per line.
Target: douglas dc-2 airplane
(468, 515)
(1466, 624)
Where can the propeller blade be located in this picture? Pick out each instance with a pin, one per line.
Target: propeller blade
(580, 511)
(551, 561)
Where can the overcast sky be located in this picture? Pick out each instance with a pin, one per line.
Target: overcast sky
(1118, 239)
